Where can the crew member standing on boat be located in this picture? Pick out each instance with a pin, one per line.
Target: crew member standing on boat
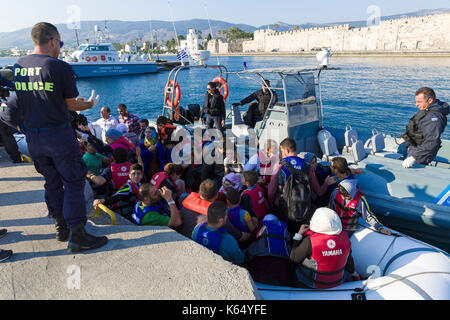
(47, 91)
(423, 133)
(214, 107)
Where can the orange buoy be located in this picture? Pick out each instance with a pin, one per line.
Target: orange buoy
(224, 86)
(176, 98)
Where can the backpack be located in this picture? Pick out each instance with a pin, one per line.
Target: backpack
(296, 198)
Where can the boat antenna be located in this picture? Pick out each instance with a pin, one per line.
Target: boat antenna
(106, 33)
(76, 34)
(212, 34)
(173, 23)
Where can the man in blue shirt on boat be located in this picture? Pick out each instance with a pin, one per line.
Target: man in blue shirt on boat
(423, 133)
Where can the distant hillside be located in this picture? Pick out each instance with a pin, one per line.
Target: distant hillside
(123, 31)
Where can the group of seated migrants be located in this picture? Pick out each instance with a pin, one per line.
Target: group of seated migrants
(285, 218)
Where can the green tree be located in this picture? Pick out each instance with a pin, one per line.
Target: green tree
(118, 46)
(236, 33)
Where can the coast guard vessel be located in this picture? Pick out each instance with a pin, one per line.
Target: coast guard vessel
(101, 59)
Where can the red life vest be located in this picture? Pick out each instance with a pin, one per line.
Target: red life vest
(265, 164)
(160, 177)
(330, 253)
(194, 203)
(347, 213)
(259, 203)
(162, 134)
(120, 173)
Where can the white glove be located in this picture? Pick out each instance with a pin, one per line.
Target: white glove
(409, 162)
(94, 98)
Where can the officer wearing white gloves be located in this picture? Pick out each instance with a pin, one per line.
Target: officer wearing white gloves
(46, 88)
(424, 130)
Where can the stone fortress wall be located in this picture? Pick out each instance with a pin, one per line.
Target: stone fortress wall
(425, 33)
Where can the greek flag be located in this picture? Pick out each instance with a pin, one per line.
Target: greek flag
(182, 54)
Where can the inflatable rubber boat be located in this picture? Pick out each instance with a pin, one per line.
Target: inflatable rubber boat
(395, 268)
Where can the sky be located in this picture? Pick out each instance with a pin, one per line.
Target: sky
(25, 13)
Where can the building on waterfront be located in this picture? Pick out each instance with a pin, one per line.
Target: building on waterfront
(415, 34)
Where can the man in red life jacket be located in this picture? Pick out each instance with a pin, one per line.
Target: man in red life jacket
(321, 251)
(194, 210)
(252, 198)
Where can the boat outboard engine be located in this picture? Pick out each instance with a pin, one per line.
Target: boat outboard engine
(193, 112)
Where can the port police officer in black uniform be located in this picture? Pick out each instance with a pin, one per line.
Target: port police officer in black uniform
(47, 92)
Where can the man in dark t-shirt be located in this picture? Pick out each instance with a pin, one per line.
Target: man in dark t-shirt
(47, 92)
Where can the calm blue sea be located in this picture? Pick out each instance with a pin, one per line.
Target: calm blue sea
(367, 93)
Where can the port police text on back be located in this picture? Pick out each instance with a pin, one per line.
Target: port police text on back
(31, 85)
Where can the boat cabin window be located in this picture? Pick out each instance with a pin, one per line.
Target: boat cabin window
(97, 48)
(298, 88)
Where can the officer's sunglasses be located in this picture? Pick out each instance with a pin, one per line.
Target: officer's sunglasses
(61, 43)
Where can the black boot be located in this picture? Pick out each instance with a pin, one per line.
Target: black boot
(80, 240)
(62, 231)
(5, 254)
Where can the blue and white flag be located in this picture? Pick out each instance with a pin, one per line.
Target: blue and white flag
(182, 54)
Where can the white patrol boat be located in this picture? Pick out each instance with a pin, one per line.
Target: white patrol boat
(101, 59)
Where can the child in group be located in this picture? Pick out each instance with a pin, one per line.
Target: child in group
(350, 204)
(252, 199)
(240, 218)
(125, 199)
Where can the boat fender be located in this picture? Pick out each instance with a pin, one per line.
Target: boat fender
(224, 85)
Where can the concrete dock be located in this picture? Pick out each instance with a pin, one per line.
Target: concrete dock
(137, 263)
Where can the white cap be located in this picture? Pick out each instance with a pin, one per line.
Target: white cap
(326, 221)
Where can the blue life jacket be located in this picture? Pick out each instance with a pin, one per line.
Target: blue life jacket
(140, 211)
(272, 241)
(210, 239)
(236, 217)
(297, 163)
(275, 237)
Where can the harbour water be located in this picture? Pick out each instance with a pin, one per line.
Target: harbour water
(367, 93)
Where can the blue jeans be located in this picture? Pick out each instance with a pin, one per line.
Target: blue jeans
(57, 156)
(214, 121)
